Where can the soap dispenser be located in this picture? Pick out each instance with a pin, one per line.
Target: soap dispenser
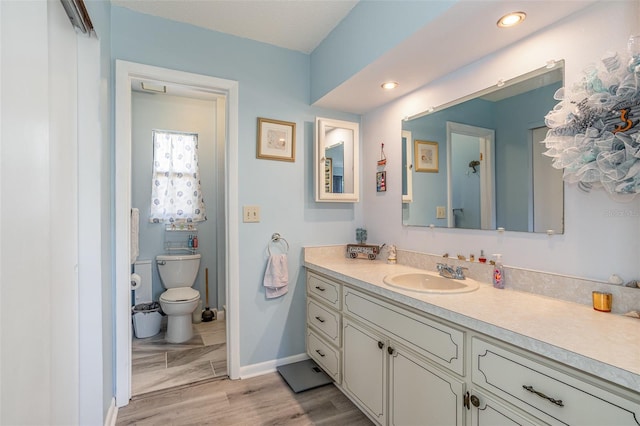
(393, 255)
(498, 272)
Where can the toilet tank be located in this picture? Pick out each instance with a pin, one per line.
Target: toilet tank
(178, 270)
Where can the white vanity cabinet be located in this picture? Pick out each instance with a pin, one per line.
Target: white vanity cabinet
(391, 363)
(547, 391)
(404, 367)
(324, 324)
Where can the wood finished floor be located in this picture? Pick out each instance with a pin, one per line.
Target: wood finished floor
(262, 400)
(157, 365)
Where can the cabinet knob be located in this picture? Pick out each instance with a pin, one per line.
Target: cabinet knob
(380, 345)
(390, 350)
(475, 401)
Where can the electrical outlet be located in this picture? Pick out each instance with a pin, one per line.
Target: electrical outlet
(251, 213)
(441, 212)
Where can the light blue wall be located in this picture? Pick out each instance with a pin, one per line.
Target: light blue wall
(149, 112)
(430, 189)
(273, 83)
(513, 153)
(365, 34)
(465, 185)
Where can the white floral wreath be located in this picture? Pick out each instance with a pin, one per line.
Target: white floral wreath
(595, 129)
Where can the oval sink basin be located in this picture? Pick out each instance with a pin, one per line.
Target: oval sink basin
(429, 283)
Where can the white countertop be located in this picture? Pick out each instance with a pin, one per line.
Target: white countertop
(602, 344)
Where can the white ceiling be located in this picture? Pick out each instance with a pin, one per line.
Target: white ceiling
(464, 33)
(293, 24)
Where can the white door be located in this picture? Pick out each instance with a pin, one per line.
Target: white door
(364, 368)
(421, 394)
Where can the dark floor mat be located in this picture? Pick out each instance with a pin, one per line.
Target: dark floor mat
(303, 375)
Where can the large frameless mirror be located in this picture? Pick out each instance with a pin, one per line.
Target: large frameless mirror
(477, 162)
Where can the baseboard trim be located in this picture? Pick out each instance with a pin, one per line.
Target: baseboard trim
(112, 414)
(266, 367)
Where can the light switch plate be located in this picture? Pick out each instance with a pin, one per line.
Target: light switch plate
(251, 213)
(441, 212)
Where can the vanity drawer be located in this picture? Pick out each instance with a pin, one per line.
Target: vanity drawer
(547, 393)
(326, 321)
(439, 343)
(324, 289)
(326, 356)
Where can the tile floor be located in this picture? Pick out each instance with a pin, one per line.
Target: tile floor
(158, 365)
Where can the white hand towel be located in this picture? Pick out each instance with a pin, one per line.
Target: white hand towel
(134, 246)
(276, 276)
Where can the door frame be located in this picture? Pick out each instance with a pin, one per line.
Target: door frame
(125, 72)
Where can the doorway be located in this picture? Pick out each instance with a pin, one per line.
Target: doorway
(126, 74)
(179, 113)
(470, 177)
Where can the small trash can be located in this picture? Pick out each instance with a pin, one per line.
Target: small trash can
(146, 319)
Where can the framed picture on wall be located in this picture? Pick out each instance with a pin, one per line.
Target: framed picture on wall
(381, 181)
(426, 156)
(276, 140)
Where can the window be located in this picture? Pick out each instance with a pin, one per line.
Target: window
(175, 190)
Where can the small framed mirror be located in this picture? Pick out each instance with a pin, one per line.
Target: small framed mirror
(336, 161)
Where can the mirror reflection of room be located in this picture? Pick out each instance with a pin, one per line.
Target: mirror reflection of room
(492, 173)
(337, 161)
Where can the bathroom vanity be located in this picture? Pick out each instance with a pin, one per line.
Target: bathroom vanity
(485, 357)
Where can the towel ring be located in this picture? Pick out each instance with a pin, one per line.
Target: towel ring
(276, 238)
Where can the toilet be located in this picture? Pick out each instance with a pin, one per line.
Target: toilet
(178, 273)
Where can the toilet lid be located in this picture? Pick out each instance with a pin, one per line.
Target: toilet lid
(180, 294)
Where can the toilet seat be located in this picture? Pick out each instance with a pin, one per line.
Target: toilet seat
(180, 295)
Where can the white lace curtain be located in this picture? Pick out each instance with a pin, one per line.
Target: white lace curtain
(175, 190)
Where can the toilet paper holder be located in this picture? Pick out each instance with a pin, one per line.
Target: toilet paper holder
(136, 281)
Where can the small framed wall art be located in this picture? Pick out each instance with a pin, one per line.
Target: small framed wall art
(381, 181)
(426, 156)
(276, 140)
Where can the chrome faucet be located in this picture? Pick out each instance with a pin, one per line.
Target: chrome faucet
(449, 272)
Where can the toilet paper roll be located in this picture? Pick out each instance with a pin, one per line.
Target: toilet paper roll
(136, 281)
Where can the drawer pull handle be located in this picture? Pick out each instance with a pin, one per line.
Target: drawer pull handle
(380, 345)
(320, 353)
(320, 288)
(558, 402)
(319, 319)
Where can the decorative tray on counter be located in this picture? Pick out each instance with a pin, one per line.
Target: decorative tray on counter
(367, 250)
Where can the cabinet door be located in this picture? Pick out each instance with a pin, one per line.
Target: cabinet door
(487, 412)
(420, 393)
(364, 369)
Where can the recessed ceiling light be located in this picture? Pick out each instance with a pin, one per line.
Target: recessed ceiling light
(389, 85)
(511, 19)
